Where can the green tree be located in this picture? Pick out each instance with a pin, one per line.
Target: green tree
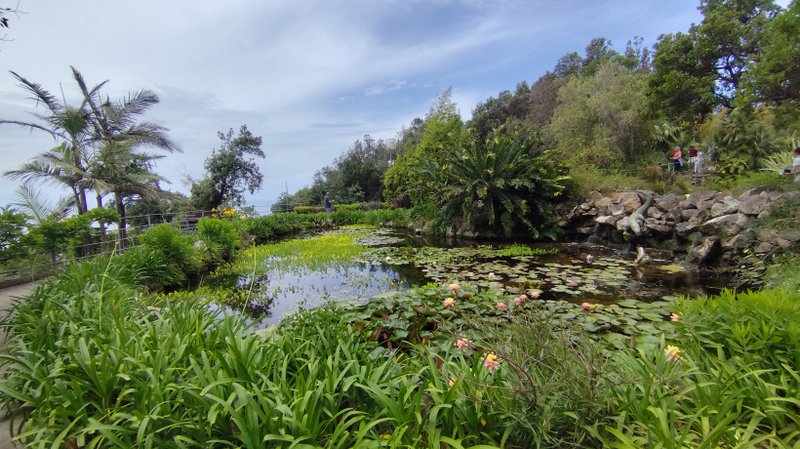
(13, 224)
(698, 71)
(601, 119)
(775, 76)
(230, 170)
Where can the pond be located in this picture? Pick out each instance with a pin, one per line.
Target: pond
(570, 272)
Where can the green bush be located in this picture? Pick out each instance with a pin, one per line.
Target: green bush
(307, 209)
(178, 249)
(221, 237)
(731, 379)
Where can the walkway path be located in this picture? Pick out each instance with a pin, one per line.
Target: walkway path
(7, 297)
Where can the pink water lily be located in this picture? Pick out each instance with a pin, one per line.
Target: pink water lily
(501, 306)
(586, 306)
(519, 300)
(534, 295)
(449, 303)
(454, 288)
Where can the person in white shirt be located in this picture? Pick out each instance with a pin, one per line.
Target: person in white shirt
(795, 171)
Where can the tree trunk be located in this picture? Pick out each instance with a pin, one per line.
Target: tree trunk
(102, 226)
(123, 223)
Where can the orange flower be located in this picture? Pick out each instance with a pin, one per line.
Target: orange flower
(449, 303)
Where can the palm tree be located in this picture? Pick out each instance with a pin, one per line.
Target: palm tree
(71, 125)
(117, 134)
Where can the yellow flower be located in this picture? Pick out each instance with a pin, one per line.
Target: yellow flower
(490, 361)
(483, 421)
(449, 302)
(673, 353)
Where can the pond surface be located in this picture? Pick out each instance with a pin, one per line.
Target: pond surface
(554, 272)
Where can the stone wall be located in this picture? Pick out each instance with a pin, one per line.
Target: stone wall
(705, 228)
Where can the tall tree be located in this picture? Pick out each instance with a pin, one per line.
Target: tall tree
(698, 71)
(230, 171)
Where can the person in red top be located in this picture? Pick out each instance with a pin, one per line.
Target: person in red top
(677, 159)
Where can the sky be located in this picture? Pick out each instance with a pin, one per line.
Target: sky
(308, 76)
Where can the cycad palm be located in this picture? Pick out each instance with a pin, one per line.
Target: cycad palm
(503, 182)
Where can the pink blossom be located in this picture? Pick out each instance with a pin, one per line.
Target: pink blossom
(490, 361)
(462, 343)
(520, 299)
(454, 288)
(501, 306)
(586, 306)
(449, 303)
(571, 284)
(589, 258)
(534, 295)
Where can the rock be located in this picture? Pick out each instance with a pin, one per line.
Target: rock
(616, 210)
(668, 202)
(764, 248)
(753, 205)
(622, 225)
(630, 201)
(739, 241)
(688, 214)
(766, 235)
(655, 213)
(603, 203)
(792, 235)
(706, 252)
(729, 205)
(698, 197)
(607, 220)
(731, 224)
(658, 226)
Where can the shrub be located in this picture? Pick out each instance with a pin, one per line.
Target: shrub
(221, 238)
(177, 248)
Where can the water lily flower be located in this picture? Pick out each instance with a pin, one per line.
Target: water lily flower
(490, 361)
(673, 353)
(586, 306)
(462, 343)
(534, 295)
(519, 299)
(449, 303)
(548, 280)
(501, 306)
(675, 318)
(571, 284)
(454, 288)
(589, 259)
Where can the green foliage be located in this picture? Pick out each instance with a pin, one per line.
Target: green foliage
(272, 227)
(230, 170)
(12, 227)
(602, 119)
(783, 272)
(748, 180)
(177, 248)
(783, 214)
(731, 380)
(505, 182)
(221, 238)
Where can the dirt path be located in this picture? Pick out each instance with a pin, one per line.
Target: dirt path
(7, 298)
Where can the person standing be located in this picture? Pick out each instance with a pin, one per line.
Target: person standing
(677, 159)
(327, 203)
(698, 163)
(795, 171)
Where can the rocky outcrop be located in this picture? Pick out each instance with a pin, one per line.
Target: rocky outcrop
(704, 228)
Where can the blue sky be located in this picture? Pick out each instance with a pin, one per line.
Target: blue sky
(308, 76)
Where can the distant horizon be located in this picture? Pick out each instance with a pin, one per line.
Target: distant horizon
(309, 79)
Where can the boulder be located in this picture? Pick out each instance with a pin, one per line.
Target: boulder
(668, 202)
(764, 248)
(729, 205)
(742, 240)
(616, 210)
(630, 201)
(730, 224)
(607, 220)
(792, 235)
(654, 226)
(753, 205)
(688, 214)
(705, 252)
(603, 203)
